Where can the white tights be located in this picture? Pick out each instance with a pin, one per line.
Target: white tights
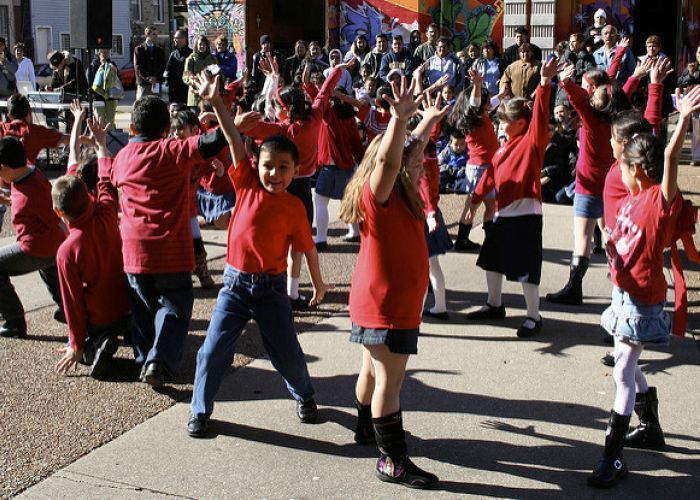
(629, 378)
(494, 285)
(437, 280)
(322, 219)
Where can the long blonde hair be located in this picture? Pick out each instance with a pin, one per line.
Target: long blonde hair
(351, 210)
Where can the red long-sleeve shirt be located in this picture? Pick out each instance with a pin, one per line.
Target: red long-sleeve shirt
(518, 164)
(482, 142)
(429, 185)
(89, 263)
(304, 134)
(339, 142)
(33, 137)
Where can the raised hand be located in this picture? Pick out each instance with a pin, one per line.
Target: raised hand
(244, 77)
(403, 105)
(643, 69)
(246, 121)
(660, 70)
(625, 42)
(79, 112)
(206, 87)
(549, 68)
(476, 77)
(98, 129)
(689, 103)
(567, 73)
(434, 108)
(419, 70)
(349, 64)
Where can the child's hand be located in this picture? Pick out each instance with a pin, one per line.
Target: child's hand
(692, 67)
(418, 72)
(567, 73)
(625, 42)
(434, 109)
(79, 112)
(306, 74)
(5, 199)
(207, 87)
(660, 70)
(320, 293)
(349, 64)
(403, 106)
(442, 81)
(244, 77)
(432, 223)
(218, 167)
(246, 121)
(549, 68)
(689, 103)
(69, 360)
(476, 77)
(98, 129)
(643, 69)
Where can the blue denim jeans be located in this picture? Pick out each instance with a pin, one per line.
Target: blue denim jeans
(161, 306)
(246, 296)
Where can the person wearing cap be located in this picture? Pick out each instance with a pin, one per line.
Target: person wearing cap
(594, 32)
(149, 64)
(257, 77)
(175, 67)
(604, 56)
(68, 77)
(398, 57)
(345, 81)
(512, 53)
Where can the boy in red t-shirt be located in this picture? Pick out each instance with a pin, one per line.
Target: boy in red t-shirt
(90, 268)
(39, 234)
(153, 174)
(266, 221)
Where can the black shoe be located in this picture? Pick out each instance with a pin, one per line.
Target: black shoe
(352, 239)
(59, 316)
(197, 427)
(607, 473)
(103, 355)
(307, 411)
(490, 312)
(153, 374)
(442, 316)
(608, 359)
(405, 472)
(466, 246)
(525, 331)
(321, 246)
(11, 331)
(300, 303)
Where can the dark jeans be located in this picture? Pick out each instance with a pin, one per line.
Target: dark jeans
(243, 297)
(14, 262)
(97, 333)
(161, 305)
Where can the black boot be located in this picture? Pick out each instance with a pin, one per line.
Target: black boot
(597, 247)
(364, 432)
(610, 468)
(572, 293)
(648, 433)
(14, 328)
(463, 243)
(394, 466)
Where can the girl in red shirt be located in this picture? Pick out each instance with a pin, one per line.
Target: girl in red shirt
(386, 297)
(646, 224)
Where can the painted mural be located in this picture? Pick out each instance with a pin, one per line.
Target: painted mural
(392, 17)
(213, 18)
(469, 21)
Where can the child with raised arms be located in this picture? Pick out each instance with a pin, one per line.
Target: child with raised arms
(266, 221)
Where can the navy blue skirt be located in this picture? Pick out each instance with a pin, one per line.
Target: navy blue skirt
(439, 241)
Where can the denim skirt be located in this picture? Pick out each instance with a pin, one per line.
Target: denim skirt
(634, 322)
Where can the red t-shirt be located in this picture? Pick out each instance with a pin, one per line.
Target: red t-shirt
(614, 194)
(391, 273)
(34, 137)
(339, 142)
(264, 225)
(482, 142)
(89, 262)
(214, 184)
(636, 246)
(36, 224)
(154, 177)
(429, 185)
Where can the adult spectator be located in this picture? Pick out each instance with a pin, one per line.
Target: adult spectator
(359, 50)
(605, 55)
(653, 46)
(6, 50)
(226, 58)
(427, 50)
(594, 33)
(149, 65)
(490, 66)
(444, 62)
(521, 78)
(688, 79)
(175, 67)
(293, 63)
(374, 58)
(8, 80)
(195, 63)
(25, 66)
(398, 57)
(577, 55)
(512, 53)
(415, 39)
(105, 81)
(345, 81)
(314, 59)
(257, 77)
(68, 74)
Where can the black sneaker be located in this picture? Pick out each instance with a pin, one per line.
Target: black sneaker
(103, 355)
(197, 427)
(526, 331)
(10, 331)
(59, 316)
(153, 374)
(307, 411)
(442, 316)
(490, 312)
(608, 359)
(300, 303)
(466, 246)
(405, 473)
(321, 246)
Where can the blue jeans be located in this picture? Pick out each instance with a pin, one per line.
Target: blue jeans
(161, 305)
(246, 296)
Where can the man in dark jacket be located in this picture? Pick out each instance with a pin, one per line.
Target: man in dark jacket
(512, 53)
(398, 58)
(69, 78)
(177, 90)
(374, 58)
(149, 65)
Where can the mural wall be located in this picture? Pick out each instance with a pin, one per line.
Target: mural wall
(213, 18)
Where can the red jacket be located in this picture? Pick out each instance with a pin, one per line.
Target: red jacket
(339, 142)
(429, 185)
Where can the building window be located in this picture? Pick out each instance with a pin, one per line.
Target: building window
(5, 23)
(158, 10)
(117, 45)
(138, 7)
(64, 39)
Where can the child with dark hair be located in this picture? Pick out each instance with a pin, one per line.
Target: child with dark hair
(646, 224)
(266, 220)
(39, 234)
(452, 162)
(90, 267)
(153, 172)
(374, 114)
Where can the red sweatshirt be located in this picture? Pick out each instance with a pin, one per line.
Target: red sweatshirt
(89, 262)
(518, 164)
(429, 185)
(339, 142)
(33, 137)
(482, 142)
(304, 134)
(595, 152)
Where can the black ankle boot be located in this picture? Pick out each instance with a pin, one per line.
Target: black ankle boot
(572, 293)
(648, 433)
(597, 247)
(463, 243)
(14, 328)
(610, 468)
(394, 466)
(364, 432)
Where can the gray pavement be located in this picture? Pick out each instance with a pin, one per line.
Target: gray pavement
(490, 414)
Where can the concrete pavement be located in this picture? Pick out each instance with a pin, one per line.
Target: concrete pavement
(490, 414)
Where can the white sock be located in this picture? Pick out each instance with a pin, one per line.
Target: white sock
(437, 279)
(353, 230)
(532, 301)
(494, 284)
(293, 287)
(321, 207)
